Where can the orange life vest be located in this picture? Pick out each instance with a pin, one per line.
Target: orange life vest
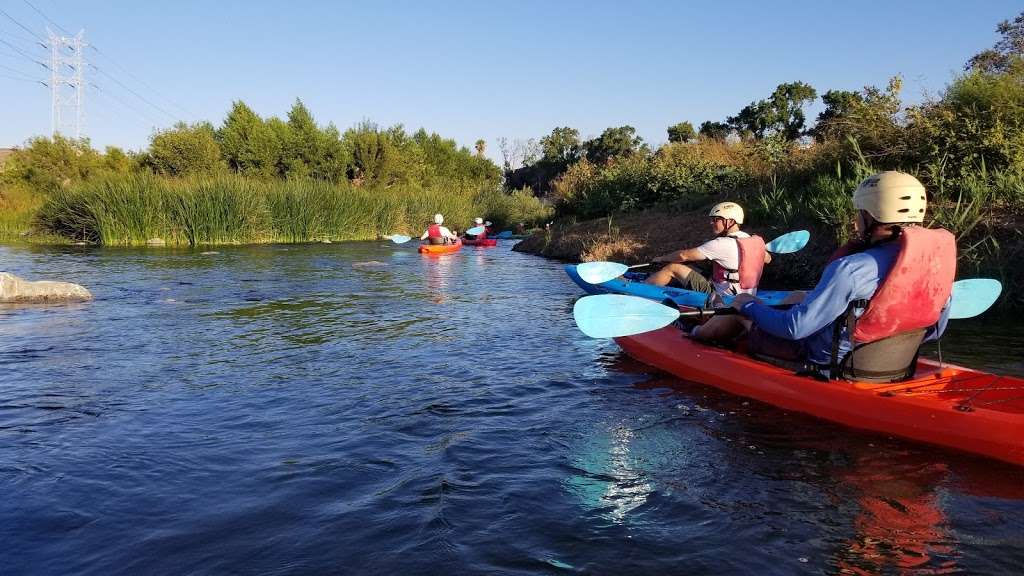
(918, 286)
(748, 275)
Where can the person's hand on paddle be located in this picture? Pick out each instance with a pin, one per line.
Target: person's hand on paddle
(740, 299)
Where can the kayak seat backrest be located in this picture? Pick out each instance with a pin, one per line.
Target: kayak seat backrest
(887, 360)
(435, 241)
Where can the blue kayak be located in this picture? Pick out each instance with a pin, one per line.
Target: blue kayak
(632, 284)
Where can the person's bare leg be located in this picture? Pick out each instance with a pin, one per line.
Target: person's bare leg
(662, 277)
(721, 329)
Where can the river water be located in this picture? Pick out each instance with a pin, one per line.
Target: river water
(360, 409)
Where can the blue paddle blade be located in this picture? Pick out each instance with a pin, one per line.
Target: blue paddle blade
(598, 272)
(614, 315)
(398, 238)
(787, 243)
(505, 235)
(476, 230)
(972, 297)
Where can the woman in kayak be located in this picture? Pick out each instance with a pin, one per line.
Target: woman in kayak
(881, 295)
(438, 234)
(737, 258)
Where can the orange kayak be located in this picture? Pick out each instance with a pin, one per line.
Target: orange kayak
(435, 249)
(946, 405)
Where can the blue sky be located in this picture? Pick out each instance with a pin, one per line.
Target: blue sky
(483, 69)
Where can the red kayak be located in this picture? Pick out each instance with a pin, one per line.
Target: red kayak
(437, 249)
(480, 242)
(945, 405)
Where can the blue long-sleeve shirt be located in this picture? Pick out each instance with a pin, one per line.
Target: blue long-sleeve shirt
(854, 277)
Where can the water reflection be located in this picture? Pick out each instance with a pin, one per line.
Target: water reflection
(609, 481)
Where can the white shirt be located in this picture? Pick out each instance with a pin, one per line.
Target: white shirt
(726, 252)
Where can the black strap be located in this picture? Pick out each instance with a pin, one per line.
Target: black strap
(848, 319)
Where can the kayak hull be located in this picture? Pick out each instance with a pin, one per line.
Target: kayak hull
(439, 249)
(483, 242)
(632, 284)
(946, 405)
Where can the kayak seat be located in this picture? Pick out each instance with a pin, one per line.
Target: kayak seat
(435, 241)
(887, 360)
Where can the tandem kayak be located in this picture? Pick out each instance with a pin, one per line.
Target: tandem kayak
(632, 284)
(943, 404)
(481, 242)
(437, 249)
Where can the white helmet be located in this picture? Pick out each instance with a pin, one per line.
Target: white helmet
(478, 220)
(728, 210)
(891, 197)
(438, 219)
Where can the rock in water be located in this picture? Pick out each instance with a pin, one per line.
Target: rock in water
(18, 290)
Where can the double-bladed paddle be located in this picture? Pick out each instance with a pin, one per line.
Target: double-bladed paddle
(398, 238)
(598, 272)
(615, 315)
(476, 230)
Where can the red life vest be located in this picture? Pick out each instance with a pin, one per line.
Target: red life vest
(748, 275)
(919, 284)
(434, 231)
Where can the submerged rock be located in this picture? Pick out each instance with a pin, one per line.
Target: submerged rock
(18, 290)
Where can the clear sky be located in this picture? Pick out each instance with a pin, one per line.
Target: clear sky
(476, 69)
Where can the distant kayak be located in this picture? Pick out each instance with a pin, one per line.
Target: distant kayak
(632, 284)
(437, 249)
(481, 242)
(947, 405)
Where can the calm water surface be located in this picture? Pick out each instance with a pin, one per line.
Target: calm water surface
(357, 408)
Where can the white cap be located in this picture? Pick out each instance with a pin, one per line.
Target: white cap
(438, 219)
(478, 220)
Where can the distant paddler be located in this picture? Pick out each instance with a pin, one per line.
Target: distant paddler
(436, 233)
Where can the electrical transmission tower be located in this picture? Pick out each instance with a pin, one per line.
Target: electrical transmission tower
(67, 83)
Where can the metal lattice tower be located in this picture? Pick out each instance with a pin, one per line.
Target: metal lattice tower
(67, 88)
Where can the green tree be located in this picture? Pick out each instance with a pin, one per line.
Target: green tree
(782, 113)
(50, 163)
(184, 150)
(869, 116)
(715, 130)
(1010, 46)
(248, 145)
(612, 143)
(562, 147)
(682, 132)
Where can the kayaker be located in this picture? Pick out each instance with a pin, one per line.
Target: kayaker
(477, 222)
(887, 291)
(737, 258)
(438, 234)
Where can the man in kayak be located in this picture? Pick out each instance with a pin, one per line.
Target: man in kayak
(887, 291)
(438, 234)
(737, 258)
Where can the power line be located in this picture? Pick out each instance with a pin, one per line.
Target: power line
(22, 52)
(23, 27)
(47, 18)
(113, 96)
(23, 79)
(15, 70)
(136, 94)
(140, 81)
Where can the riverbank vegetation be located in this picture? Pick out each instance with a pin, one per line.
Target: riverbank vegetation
(255, 180)
(966, 145)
